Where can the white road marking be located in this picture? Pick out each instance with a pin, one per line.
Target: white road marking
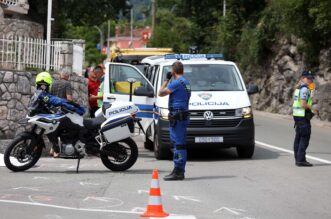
(291, 152)
(138, 210)
(87, 183)
(26, 188)
(142, 191)
(189, 198)
(52, 216)
(41, 177)
(177, 217)
(231, 210)
(2, 164)
(86, 209)
(66, 208)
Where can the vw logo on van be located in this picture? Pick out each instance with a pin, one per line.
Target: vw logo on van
(208, 115)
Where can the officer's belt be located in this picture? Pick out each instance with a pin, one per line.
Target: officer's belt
(178, 115)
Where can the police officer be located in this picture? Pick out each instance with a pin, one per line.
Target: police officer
(179, 90)
(302, 114)
(43, 84)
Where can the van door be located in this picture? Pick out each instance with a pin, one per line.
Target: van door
(117, 87)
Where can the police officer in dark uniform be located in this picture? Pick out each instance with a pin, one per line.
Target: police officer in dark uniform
(179, 90)
(302, 114)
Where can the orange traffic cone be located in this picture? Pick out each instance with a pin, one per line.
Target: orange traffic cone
(154, 207)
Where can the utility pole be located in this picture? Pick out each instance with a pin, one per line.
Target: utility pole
(224, 8)
(131, 27)
(101, 36)
(153, 16)
(48, 40)
(108, 47)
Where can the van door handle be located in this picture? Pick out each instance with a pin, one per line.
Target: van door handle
(111, 98)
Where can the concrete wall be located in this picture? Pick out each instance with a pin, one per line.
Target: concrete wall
(15, 27)
(16, 89)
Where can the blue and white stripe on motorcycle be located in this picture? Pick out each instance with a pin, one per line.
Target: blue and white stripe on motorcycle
(116, 122)
(52, 116)
(146, 111)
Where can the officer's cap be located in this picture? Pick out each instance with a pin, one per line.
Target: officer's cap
(308, 74)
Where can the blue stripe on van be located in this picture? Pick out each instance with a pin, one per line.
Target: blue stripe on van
(146, 111)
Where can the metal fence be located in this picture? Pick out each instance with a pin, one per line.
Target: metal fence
(21, 53)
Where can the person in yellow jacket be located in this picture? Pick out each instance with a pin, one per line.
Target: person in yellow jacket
(302, 114)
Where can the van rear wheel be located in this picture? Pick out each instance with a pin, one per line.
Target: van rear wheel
(246, 151)
(160, 152)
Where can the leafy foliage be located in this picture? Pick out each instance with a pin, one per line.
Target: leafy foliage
(245, 35)
(172, 31)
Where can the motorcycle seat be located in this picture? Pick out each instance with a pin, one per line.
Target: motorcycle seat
(94, 123)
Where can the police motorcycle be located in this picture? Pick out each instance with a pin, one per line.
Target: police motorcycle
(107, 136)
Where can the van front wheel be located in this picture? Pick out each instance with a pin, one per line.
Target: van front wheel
(246, 151)
(160, 153)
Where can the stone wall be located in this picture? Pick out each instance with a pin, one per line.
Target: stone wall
(281, 73)
(16, 89)
(14, 27)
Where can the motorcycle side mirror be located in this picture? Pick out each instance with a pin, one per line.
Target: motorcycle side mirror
(105, 106)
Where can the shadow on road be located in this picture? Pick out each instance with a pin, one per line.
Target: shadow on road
(207, 177)
(230, 154)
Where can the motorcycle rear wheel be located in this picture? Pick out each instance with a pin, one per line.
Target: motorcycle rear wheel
(120, 156)
(21, 155)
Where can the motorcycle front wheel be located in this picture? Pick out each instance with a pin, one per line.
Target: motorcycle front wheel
(120, 156)
(21, 154)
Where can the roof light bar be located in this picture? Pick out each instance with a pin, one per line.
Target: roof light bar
(193, 56)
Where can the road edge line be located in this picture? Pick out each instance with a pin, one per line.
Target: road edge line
(291, 152)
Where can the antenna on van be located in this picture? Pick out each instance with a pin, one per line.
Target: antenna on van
(131, 81)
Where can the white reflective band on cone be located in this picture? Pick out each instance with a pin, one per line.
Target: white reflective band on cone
(154, 200)
(155, 183)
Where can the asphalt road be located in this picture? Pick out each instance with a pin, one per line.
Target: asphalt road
(218, 184)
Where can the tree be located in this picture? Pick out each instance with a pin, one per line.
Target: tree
(172, 31)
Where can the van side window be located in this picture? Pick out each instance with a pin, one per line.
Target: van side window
(149, 72)
(119, 75)
(153, 76)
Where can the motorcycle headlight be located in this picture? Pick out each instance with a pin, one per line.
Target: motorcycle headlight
(164, 113)
(245, 112)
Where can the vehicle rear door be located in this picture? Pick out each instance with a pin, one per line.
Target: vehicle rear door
(116, 86)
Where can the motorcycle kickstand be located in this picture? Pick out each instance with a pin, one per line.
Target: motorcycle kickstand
(77, 169)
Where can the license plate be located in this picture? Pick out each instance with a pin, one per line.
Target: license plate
(208, 139)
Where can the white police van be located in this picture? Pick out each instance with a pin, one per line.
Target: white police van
(220, 109)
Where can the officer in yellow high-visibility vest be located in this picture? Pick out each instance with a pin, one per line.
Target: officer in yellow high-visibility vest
(302, 114)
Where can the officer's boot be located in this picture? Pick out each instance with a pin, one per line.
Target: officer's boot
(176, 174)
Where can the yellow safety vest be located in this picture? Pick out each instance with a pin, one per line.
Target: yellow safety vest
(100, 93)
(298, 110)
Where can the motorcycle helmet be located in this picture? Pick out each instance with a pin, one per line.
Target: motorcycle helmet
(44, 81)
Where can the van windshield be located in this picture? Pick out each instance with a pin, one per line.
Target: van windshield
(210, 77)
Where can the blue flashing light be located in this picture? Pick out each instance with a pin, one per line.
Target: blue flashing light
(193, 56)
(214, 56)
(172, 56)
